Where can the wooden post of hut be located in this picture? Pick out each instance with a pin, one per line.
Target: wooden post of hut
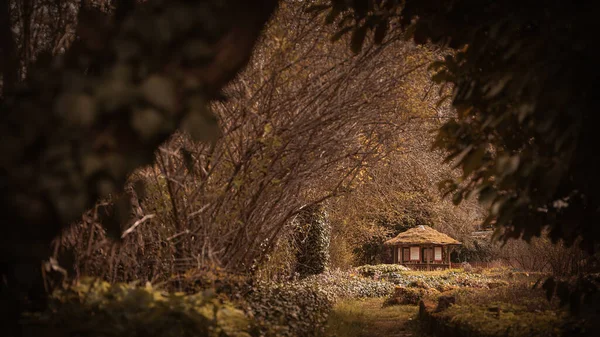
(427, 256)
(422, 248)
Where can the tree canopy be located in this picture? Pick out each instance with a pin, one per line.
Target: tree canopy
(85, 119)
(522, 82)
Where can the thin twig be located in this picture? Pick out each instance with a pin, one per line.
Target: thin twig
(137, 223)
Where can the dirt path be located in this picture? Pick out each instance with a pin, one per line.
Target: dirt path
(367, 318)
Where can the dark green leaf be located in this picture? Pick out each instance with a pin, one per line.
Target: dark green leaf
(473, 161)
(358, 38)
(139, 187)
(549, 286)
(487, 195)
(440, 77)
(340, 33)
(562, 292)
(200, 122)
(457, 198)
(333, 14)
(575, 302)
(381, 31)
(188, 160)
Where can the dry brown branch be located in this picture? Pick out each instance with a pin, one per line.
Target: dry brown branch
(137, 223)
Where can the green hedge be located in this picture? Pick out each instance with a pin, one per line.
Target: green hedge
(313, 236)
(441, 280)
(96, 308)
(293, 309)
(372, 270)
(345, 285)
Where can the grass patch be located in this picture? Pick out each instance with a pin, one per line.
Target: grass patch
(368, 318)
(515, 310)
(504, 319)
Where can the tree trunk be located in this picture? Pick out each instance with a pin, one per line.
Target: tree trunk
(8, 51)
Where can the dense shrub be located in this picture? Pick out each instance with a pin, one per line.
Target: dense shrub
(378, 269)
(313, 234)
(343, 285)
(293, 309)
(442, 280)
(301, 308)
(95, 308)
(409, 295)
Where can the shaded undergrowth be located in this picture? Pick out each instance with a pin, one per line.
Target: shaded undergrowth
(368, 318)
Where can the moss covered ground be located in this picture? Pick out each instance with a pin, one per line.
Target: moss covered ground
(369, 318)
(488, 302)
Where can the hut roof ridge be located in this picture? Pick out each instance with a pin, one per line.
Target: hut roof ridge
(422, 235)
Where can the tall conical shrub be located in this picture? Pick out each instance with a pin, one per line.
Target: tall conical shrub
(313, 234)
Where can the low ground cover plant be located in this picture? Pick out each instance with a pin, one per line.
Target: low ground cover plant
(379, 269)
(302, 307)
(345, 284)
(487, 302)
(409, 295)
(292, 309)
(212, 303)
(516, 310)
(443, 280)
(96, 308)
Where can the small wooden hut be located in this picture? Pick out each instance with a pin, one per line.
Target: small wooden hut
(422, 248)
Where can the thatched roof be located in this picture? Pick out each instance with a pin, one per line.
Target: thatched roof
(421, 235)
